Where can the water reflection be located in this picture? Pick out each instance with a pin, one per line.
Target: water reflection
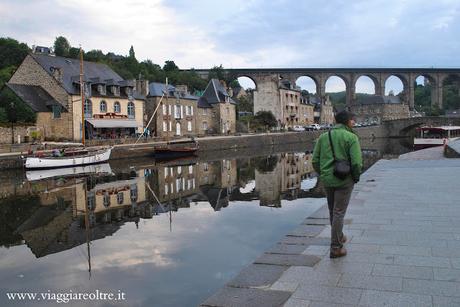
(153, 223)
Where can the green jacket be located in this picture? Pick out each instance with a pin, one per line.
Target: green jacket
(346, 147)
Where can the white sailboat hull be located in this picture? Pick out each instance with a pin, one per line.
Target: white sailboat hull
(53, 162)
(103, 168)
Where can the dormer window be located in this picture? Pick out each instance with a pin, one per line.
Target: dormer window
(101, 89)
(128, 91)
(115, 90)
(227, 99)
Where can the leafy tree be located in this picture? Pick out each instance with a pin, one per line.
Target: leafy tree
(74, 53)
(132, 55)
(266, 119)
(61, 46)
(16, 109)
(5, 74)
(12, 53)
(3, 116)
(234, 83)
(170, 66)
(217, 72)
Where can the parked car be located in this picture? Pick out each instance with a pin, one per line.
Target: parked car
(298, 128)
(314, 127)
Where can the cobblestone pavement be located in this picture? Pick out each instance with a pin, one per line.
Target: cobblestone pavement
(403, 225)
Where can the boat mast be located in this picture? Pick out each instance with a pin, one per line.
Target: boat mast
(82, 95)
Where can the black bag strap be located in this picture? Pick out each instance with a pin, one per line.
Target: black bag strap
(332, 146)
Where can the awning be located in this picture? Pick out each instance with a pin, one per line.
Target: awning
(112, 123)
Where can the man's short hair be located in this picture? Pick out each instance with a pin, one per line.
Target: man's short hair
(343, 117)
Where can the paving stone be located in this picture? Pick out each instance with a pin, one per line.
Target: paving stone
(363, 226)
(294, 302)
(363, 248)
(238, 297)
(383, 283)
(431, 287)
(284, 286)
(305, 241)
(289, 249)
(306, 231)
(329, 266)
(317, 250)
(288, 260)
(423, 261)
(321, 213)
(328, 294)
(446, 252)
(403, 271)
(257, 275)
(446, 301)
(324, 304)
(406, 250)
(447, 274)
(385, 298)
(307, 275)
(322, 221)
(367, 258)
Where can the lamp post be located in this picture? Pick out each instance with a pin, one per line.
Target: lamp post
(12, 119)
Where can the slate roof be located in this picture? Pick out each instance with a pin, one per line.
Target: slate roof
(156, 89)
(95, 73)
(216, 93)
(34, 96)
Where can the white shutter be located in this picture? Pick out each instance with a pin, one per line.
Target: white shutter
(165, 126)
(189, 126)
(170, 109)
(181, 111)
(170, 126)
(191, 110)
(164, 109)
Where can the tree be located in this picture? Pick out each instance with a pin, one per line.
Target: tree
(15, 108)
(3, 116)
(74, 53)
(132, 55)
(217, 72)
(266, 119)
(61, 46)
(12, 53)
(170, 66)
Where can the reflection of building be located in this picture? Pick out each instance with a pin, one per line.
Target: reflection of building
(284, 181)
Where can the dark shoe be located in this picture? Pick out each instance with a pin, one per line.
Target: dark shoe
(338, 252)
(344, 239)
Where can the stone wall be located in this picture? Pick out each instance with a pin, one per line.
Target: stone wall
(267, 97)
(380, 112)
(18, 130)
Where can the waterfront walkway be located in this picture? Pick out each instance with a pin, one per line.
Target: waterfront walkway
(403, 224)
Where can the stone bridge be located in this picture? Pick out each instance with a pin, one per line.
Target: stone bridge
(404, 127)
(267, 80)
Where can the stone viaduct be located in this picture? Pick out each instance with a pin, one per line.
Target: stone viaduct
(267, 80)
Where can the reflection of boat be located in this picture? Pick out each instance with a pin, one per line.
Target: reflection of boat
(70, 158)
(103, 168)
(435, 136)
(172, 150)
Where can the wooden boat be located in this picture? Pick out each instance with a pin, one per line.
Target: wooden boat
(103, 168)
(69, 158)
(435, 136)
(173, 150)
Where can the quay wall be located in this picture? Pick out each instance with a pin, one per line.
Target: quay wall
(211, 146)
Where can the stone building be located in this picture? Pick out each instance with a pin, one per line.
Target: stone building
(376, 108)
(323, 112)
(50, 85)
(216, 110)
(177, 114)
(295, 109)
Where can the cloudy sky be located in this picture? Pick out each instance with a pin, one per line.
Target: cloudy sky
(248, 33)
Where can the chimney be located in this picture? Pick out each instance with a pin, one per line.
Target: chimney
(57, 73)
(182, 89)
(142, 87)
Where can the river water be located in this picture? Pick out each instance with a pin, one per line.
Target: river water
(153, 233)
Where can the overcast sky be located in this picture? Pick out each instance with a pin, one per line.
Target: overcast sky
(248, 33)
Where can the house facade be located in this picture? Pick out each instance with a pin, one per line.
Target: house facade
(376, 108)
(176, 116)
(112, 108)
(295, 109)
(216, 110)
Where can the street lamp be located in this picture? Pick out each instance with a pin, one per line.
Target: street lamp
(12, 117)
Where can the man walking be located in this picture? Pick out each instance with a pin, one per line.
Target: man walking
(345, 146)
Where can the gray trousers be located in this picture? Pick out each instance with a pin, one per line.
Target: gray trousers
(337, 201)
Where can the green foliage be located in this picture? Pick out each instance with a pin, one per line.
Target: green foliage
(265, 164)
(132, 55)
(35, 135)
(170, 66)
(5, 74)
(74, 53)
(245, 103)
(61, 46)
(265, 119)
(12, 53)
(217, 72)
(3, 116)
(234, 83)
(15, 108)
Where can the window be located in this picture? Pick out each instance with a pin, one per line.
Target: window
(190, 169)
(120, 198)
(191, 110)
(189, 126)
(165, 126)
(205, 126)
(177, 112)
(103, 107)
(178, 130)
(88, 108)
(179, 169)
(187, 110)
(116, 107)
(205, 111)
(133, 192)
(166, 189)
(164, 109)
(106, 199)
(115, 90)
(131, 110)
(205, 166)
(170, 126)
(170, 109)
(101, 89)
(56, 111)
